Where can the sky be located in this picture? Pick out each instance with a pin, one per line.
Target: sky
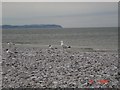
(66, 14)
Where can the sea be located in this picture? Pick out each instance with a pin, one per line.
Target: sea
(96, 38)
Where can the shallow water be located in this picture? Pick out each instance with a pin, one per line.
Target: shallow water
(96, 38)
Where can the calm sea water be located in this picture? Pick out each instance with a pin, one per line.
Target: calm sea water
(97, 38)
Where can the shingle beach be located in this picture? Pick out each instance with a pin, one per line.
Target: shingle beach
(56, 67)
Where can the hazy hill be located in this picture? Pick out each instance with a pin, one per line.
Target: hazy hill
(32, 26)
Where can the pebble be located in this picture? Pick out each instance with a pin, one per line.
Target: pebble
(36, 67)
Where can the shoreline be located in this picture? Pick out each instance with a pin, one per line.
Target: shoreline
(79, 48)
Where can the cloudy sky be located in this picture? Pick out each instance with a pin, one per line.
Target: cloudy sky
(66, 14)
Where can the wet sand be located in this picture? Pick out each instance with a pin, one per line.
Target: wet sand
(38, 67)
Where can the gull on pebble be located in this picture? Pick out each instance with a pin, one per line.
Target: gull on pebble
(8, 51)
(50, 46)
(10, 44)
(64, 46)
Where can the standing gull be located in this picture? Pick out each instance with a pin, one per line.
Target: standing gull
(50, 46)
(64, 46)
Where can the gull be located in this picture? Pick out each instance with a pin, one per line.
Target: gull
(64, 46)
(8, 51)
(50, 46)
(10, 44)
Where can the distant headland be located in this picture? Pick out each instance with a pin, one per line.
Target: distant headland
(32, 26)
